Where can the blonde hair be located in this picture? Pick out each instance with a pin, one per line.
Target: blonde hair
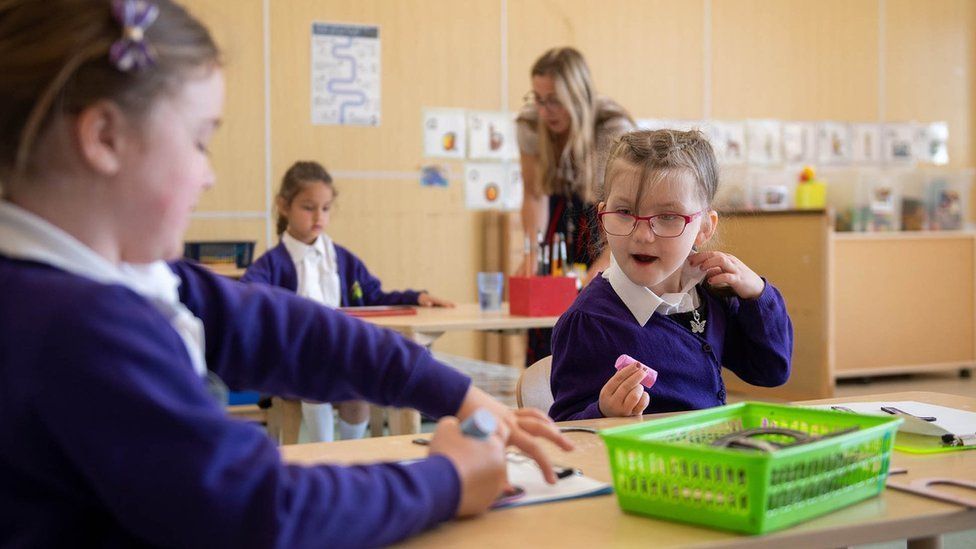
(574, 88)
(300, 175)
(54, 58)
(659, 153)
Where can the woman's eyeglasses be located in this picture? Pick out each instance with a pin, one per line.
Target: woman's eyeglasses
(551, 103)
(665, 225)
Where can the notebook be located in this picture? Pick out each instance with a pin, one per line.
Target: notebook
(916, 435)
(379, 310)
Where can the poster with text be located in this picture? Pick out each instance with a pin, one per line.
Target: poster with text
(445, 133)
(484, 185)
(345, 74)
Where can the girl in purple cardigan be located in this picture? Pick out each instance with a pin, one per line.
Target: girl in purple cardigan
(310, 264)
(683, 313)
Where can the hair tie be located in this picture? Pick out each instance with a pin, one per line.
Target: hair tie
(132, 52)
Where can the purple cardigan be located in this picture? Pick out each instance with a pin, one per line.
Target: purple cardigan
(109, 438)
(357, 285)
(753, 338)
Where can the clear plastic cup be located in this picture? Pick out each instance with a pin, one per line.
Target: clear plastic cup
(490, 289)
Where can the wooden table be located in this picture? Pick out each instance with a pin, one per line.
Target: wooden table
(599, 522)
(429, 324)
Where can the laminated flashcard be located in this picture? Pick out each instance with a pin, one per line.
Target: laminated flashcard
(833, 143)
(444, 133)
(491, 136)
(729, 142)
(762, 142)
(932, 145)
(799, 142)
(512, 195)
(899, 142)
(866, 143)
(484, 185)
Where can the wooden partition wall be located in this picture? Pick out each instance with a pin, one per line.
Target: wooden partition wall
(856, 60)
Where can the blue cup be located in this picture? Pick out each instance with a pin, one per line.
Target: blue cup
(490, 289)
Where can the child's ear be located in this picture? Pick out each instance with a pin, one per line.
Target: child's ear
(282, 206)
(707, 229)
(100, 132)
(600, 207)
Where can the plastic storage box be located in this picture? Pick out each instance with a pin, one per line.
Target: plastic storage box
(237, 253)
(666, 468)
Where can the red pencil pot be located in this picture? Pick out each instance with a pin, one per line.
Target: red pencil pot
(540, 295)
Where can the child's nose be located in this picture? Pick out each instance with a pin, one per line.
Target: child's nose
(643, 231)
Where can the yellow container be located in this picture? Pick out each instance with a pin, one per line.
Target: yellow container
(811, 195)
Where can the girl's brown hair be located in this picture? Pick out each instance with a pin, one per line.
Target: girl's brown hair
(659, 153)
(54, 58)
(298, 176)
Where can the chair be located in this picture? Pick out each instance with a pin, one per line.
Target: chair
(532, 389)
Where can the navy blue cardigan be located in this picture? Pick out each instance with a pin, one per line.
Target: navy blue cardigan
(109, 438)
(753, 338)
(357, 286)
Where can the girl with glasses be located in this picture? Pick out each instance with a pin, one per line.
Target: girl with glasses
(657, 303)
(565, 132)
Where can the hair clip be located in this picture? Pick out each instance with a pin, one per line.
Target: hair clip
(132, 51)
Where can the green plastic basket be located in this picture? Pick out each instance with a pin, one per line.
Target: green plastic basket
(665, 468)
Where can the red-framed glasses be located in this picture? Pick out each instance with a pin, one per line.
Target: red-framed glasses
(664, 225)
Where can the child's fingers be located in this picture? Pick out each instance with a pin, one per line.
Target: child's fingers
(645, 399)
(631, 381)
(632, 398)
(528, 445)
(620, 377)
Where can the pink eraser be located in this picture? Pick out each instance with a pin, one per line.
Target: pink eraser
(650, 374)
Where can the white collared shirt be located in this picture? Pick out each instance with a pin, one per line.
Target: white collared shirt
(643, 303)
(318, 268)
(24, 235)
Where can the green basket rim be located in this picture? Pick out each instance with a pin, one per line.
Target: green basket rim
(625, 433)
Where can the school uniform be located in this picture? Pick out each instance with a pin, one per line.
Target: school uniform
(108, 436)
(614, 316)
(357, 286)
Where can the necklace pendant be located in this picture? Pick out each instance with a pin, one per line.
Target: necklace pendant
(697, 324)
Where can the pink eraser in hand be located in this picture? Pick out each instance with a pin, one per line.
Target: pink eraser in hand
(650, 374)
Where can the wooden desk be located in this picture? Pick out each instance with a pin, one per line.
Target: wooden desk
(599, 522)
(429, 324)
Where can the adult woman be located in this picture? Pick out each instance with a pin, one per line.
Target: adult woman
(565, 132)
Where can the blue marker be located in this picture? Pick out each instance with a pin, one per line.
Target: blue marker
(481, 424)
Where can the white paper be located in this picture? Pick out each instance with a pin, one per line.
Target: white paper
(445, 134)
(513, 193)
(484, 185)
(933, 145)
(866, 143)
(899, 143)
(799, 142)
(833, 143)
(345, 74)
(948, 420)
(762, 142)
(491, 136)
(524, 473)
(729, 142)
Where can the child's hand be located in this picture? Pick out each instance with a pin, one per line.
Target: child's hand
(427, 300)
(722, 268)
(623, 395)
(480, 464)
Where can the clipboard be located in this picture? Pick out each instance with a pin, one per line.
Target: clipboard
(916, 435)
(379, 310)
